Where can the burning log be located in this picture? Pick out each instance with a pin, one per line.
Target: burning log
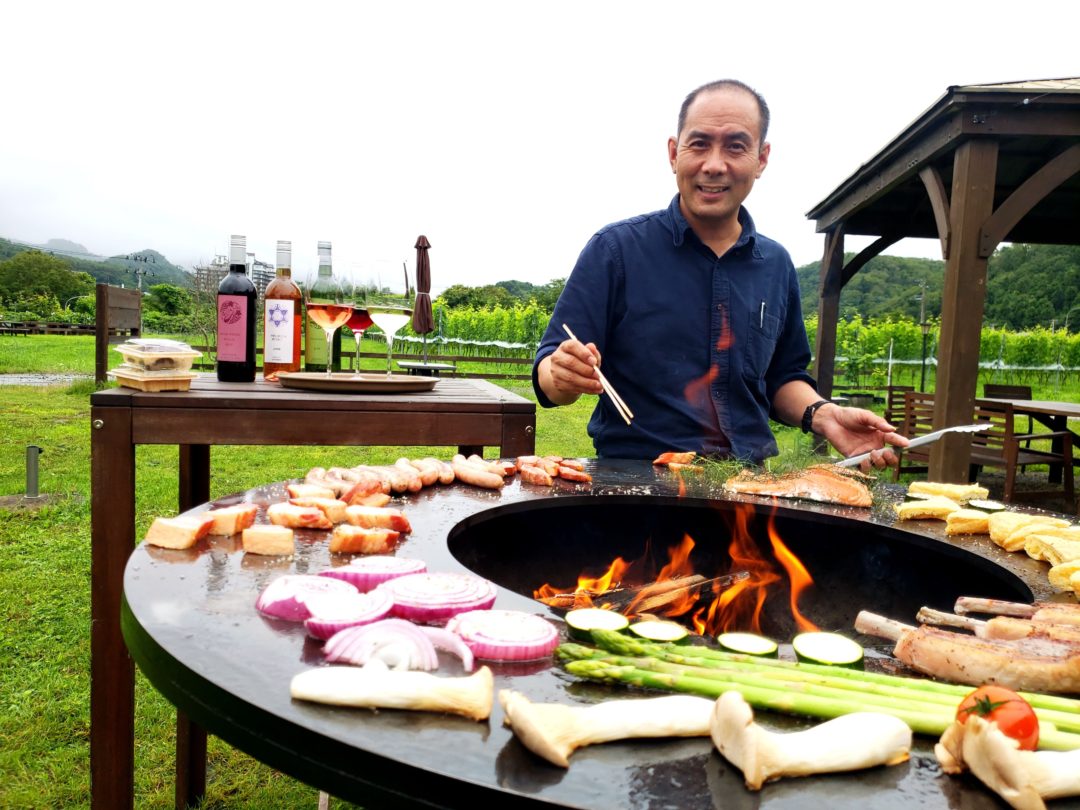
(655, 596)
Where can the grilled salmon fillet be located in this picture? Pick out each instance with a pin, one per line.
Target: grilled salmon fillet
(825, 483)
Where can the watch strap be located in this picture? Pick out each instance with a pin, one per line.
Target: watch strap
(808, 415)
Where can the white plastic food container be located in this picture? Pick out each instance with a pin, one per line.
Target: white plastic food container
(158, 355)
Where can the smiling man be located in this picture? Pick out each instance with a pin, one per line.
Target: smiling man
(695, 314)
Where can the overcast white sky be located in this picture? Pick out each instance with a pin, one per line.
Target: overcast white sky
(506, 132)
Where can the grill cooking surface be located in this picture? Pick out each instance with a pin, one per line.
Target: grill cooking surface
(190, 621)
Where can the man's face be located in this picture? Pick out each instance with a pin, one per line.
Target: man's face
(718, 156)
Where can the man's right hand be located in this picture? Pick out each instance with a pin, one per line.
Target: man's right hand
(570, 371)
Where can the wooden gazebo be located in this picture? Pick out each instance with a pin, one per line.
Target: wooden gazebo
(984, 164)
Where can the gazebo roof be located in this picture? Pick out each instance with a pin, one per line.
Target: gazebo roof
(1033, 121)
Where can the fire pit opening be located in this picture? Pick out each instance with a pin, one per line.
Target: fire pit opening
(854, 565)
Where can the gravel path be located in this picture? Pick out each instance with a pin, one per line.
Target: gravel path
(42, 379)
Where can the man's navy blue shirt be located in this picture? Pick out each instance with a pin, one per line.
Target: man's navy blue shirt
(697, 345)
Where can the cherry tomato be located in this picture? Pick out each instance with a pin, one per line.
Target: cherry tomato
(1012, 714)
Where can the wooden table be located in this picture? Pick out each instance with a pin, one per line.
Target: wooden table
(466, 413)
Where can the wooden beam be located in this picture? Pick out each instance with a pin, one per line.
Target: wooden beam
(829, 311)
(866, 254)
(1051, 175)
(1018, 120)
(974, 177)
(893, 170)
(939, 201)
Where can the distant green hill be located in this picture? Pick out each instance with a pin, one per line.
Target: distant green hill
(1027, 286)
(116, 270)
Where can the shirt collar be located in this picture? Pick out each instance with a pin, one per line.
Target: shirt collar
(680, 227)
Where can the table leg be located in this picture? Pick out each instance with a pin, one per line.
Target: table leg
(190, 762)
(112, 672)
(191, 737)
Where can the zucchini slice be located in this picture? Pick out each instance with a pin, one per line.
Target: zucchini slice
(580, 623)
(987, 506)
(827, 648)
(659, 630)
(748, 644)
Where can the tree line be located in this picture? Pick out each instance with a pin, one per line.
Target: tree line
(1028, 286)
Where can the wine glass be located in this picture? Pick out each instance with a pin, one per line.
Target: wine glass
(359, 320)
(390, 311)
(328, 308)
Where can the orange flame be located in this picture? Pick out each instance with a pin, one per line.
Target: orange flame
(738, 607)
(588, 586)
(797, 574)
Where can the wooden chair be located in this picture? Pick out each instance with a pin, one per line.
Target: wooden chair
(918, 420)
(118, 313)
(1002, 391)
(1002, 446)
(894, 402)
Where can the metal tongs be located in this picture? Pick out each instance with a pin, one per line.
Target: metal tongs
(854, 461)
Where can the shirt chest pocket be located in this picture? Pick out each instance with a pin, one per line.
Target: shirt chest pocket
(760, 344)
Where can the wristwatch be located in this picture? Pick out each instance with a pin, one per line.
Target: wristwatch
(808, 415)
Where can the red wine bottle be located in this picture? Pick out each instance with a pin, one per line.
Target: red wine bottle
(236, 302)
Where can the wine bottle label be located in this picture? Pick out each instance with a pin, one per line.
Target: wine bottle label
(314, 346)
(232, 327)
(278, 338)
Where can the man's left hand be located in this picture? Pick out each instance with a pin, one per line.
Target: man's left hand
(855, 430)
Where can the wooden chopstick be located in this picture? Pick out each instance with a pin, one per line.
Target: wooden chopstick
(620, 406)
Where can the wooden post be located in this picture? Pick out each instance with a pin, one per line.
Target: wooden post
(117, 310)
(832, 267)
(101, 333)
(972, 203)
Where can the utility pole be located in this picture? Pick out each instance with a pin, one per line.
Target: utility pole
(925, 333)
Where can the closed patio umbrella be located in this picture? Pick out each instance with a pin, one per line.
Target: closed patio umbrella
(423, 321)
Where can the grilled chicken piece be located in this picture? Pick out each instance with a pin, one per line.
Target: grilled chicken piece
(1028, 664)
(824, 483)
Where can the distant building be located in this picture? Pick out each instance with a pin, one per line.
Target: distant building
(208, 277)
(261, 273)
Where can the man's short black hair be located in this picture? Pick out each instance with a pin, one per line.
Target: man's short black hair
(721, 84)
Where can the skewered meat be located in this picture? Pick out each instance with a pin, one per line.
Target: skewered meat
(1030, 664)
(824, 483)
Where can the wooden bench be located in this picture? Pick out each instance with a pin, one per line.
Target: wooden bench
(14, 328)
(999, 446)
(118, 315)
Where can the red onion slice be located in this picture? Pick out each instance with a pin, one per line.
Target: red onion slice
(286, 597)
(434, 598)
(333, 612)
(443, 639)
(367, 573)
(398, 643)
(506, 635)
